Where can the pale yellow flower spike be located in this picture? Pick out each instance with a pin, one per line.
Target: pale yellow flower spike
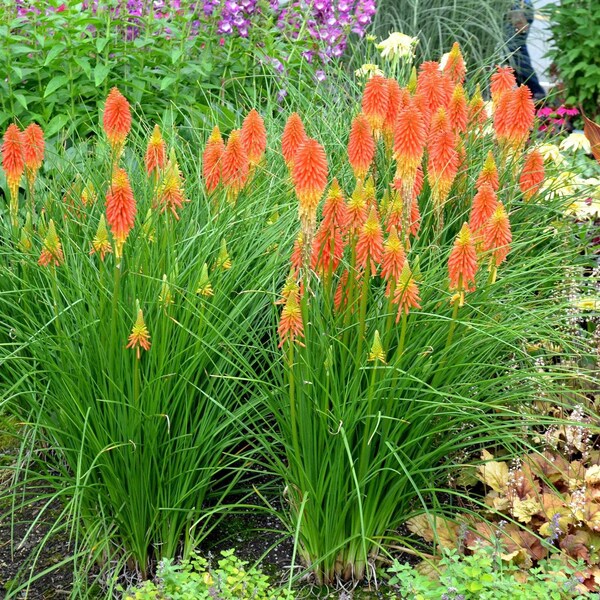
(223, 260)
(165, 298)
(204, 286)
(377, 353)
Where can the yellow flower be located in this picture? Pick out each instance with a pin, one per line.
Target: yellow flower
(369, 70)
(397, 45)
(140, 337)
(223, 260)
(204, 286)
(575, 142)
(377, 352)
(551, 152)
(101, 243)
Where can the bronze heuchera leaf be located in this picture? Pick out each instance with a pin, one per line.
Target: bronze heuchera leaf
(592, 133)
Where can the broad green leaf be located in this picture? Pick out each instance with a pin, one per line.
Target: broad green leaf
(21, 100)
(101, 43)
(166, 82)
(55, 83)
(53, 53)
(101, 71)
(56, 124)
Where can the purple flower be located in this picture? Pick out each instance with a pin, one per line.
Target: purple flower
(320, 76)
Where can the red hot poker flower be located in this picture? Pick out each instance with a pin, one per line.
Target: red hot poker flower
(484, 205)
(155, 152)
(434, 87)
(489, 173)
(120, 208)
(33, 150)
(497, 236)
(211, 160)
(522, 109)
(235, 167)
(532, 175)
(171, 195)
(502, 81)
(369, 247)
(309, 174)
(361, 147)
(462, 264)
(13, 160)
(397, 98)
(476, 115)
(290, 324)
(393, 256)
(52, 254)
(139, 337)
(292, 138)
(116, 119)
(335, 209)
(254, 137)
(375, 101)
(458, 110)
(455, 67)
(406, 294)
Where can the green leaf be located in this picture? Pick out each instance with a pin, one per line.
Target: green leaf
(166, 82)
(55, 83)
(101, 71)
(84, 64)
(53, 53)
(56, 124)
(101, 43)
(21, 100)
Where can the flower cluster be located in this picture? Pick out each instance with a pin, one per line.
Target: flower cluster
(424, 128)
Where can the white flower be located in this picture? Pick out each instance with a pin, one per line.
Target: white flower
(575, 142)
(585, 209)
(444, 61)
(369, 70)
(398, 45)
(551, 152)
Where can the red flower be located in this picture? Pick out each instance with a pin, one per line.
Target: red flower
(503, 80)
(120, 208)
(254, 137)
(406, 294)
(462, 263)
(155, 152)
(361, 147)
(484, 205)
(375, 101)
(116, 119)
(234, 165)
(455, 67)
(369, 247)
(497, 235)
(489, 173)
(393, 256)
(13, 159)
(532, 175)
(211, 160)
(458, 110)
(410, 136)
(292, 138)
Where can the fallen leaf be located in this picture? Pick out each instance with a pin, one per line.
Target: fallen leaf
(592, 133)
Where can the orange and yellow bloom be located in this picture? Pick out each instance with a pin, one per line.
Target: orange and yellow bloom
(140, 337)
(116, 120)
(120, 208)
(211, 160)
(52, 253)
(462, 264)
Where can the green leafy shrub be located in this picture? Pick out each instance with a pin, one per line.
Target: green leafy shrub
(196, 579)
(485, 576)
(575, 49)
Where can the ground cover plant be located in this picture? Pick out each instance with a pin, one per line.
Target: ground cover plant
(139, 338)
(173, 59)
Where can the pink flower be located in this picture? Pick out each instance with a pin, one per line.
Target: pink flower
(61, 8)
(544, 112)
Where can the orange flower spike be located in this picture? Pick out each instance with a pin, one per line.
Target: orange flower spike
(484, 205)
(171, 195)
(476, 115)
(410, 136)
(120, 208)
(406, 294)
(361, 146)
(292, 138)
(328, 249)
(532, 175)
(335, 209)
(502, 81)
(116, 120)
(52, 253)
(393, 256)
(503, 117)
(290, 324)
(375, 101)
(33, 150)
(443, 160)
(462, 264)
(235, 167)
(101, 243)
(455, 67)
(139, 337)
(458, 112)
(155, 152)
(497, 236)
(357, 208)
(369, 247)
(489, 173)
(13, 163)
(254, 137)
(212, 160)
(396, 100)
(433, 86)
(309, 174)
(522, 110)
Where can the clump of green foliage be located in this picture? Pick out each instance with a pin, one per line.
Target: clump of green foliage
(484, 575)
(574, 50)
(197, 579)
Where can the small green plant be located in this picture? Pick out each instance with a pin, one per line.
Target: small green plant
(575, 51)
(485, 575)
(197, 579)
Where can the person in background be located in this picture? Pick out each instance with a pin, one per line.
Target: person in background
(520, 17)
